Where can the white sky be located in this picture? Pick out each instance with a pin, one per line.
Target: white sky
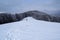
(26, 5)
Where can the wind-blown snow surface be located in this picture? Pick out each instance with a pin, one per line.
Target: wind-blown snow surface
(30, 29)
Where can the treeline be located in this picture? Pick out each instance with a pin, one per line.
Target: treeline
(7, 17)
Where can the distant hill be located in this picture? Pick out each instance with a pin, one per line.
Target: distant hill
(55, 13)
(38, 15)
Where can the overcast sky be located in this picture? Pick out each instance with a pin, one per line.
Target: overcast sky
(26, 5)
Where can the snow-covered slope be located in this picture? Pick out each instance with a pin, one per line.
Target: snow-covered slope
(30, 29)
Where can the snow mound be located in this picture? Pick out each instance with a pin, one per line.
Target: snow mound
(30, 29)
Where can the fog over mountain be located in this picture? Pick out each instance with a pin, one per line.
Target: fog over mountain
(56, 13)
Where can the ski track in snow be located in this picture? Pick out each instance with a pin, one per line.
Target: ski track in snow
(30, 29)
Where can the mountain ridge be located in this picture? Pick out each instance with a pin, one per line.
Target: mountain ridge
(7, 18)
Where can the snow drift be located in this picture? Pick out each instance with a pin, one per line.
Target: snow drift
(30, 29)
